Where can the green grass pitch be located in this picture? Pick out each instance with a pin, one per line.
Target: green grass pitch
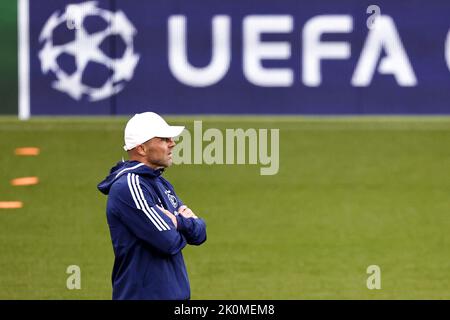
(350, 192)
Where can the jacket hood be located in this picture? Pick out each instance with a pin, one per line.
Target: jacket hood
(124, 167)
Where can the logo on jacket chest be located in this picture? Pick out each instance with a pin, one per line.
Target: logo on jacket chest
(172, 198)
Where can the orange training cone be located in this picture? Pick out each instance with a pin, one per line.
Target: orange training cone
(27, 151)
(25, 181)
(11, 204)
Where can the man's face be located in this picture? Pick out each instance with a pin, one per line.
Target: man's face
(158, 152)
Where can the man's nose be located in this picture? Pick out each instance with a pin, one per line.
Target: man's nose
(172, 143)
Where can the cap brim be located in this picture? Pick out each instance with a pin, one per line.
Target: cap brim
(167, 132)
(170, 132)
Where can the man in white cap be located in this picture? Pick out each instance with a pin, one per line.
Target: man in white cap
(149, 224)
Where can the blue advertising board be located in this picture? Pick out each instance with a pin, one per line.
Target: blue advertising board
(325, 57)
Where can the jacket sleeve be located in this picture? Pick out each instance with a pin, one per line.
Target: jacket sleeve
(194, 230)
(143, 218)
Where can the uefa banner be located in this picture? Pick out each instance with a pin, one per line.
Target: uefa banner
(113, 57)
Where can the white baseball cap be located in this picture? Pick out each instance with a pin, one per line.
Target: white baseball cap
(144, 126)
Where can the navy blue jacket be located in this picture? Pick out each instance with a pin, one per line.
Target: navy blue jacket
(147, 246)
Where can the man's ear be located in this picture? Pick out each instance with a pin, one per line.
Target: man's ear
(141, 150)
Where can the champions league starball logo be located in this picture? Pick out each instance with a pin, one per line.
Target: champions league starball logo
(89, 50)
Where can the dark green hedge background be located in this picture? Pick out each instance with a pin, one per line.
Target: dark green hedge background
(8, 57)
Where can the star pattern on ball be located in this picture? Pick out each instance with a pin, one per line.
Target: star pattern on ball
(86, 48)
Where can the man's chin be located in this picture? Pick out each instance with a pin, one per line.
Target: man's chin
(161, 165)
